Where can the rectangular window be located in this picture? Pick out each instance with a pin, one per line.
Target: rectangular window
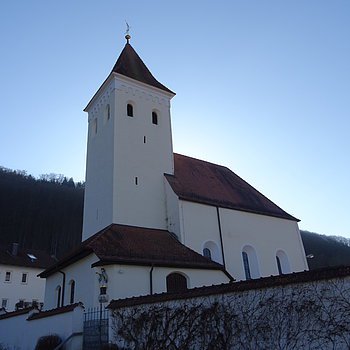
(24, 277)
(4, 303)
(8, 276)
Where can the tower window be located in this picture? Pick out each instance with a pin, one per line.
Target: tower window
(108, 112)
(94, 126)
(136, 180)
(155, 118)
(129, 110)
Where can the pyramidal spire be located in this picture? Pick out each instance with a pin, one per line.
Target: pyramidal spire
(131, 65)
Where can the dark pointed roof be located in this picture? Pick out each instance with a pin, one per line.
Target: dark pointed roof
(130, 64)
(130, 245)
(203, 182)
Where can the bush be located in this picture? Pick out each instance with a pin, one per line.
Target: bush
(48, 342)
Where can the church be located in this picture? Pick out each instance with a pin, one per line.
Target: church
(156, 221)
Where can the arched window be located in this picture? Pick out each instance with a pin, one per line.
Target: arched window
(250, 263)
(246, 266)
(175, 282)
(279, 267)
(129, 110)
(72, 292)
(282, 262)
(155, 118)
(108, 112)
(94, 126)
(211, 251)
(207, 253)
(58, 296)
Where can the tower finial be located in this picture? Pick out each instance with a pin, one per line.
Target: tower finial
(127, 36)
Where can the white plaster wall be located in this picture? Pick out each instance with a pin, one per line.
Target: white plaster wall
(19, 333)
(172, 211)
(15, 290)
(195, 278)
(141, 204)
(127, 281)
(98, 205)
(199, 225)
(86, 285)
(265, 234)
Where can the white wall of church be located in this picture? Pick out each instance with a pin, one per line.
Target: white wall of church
(195, 278)
(98, 203)
(172, 211)
(86, 284)
(265, 235)
(199, 226)
(15, 290)
(130, 280)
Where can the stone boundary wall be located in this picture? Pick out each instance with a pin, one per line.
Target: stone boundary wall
(305, 315)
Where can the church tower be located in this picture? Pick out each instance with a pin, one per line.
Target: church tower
(129, 148)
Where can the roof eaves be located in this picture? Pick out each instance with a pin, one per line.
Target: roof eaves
(85, 251)
(97, 93)
(157, 263)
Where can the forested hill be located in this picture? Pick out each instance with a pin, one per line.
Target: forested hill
(47, 214)
(44, 213)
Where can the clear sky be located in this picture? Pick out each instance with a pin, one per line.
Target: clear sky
(262, 86)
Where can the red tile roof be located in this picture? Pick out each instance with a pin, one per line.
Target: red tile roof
(57, 311)
(130, 64)
(207, 183)
(43, 259)
(16, 313)
(129, 245)
(235, 287)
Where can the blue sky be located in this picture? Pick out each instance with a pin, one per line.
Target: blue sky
(263, 87)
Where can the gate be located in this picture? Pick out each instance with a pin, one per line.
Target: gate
(96, 322)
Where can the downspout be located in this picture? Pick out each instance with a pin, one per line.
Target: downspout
(63, 286)
(151, 279)
(221, 241)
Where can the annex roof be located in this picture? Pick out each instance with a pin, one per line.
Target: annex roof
(207, 183)
(25, 257)
(129, 245)
(130, 64)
